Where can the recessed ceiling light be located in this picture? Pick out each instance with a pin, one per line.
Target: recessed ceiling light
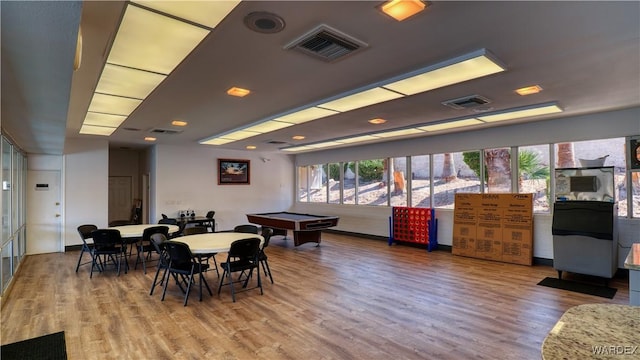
(377, 121)
(149, 138)
(298, 137)
(179, 123)
(402, 9)
(528, 90)
(239, 92)
(251, 147)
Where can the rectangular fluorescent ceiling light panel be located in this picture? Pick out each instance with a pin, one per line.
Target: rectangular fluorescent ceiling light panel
(517, 114)
(207, 13)
(153, 42)
(444, 75)
(324, 144)
(361, 99)
(451, 125)
(306, 115)
(123, 81)
(357, 139)
(110, 104)
(96, 130)
(298, 148)
(217, 141)
(403, 132)
(268, 126)
(240, 135)
(108, 120)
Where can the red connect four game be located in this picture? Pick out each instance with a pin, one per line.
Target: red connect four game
(414, 225)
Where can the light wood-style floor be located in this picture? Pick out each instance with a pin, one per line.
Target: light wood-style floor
(350, 298)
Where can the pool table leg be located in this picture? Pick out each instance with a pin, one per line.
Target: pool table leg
(301, 237)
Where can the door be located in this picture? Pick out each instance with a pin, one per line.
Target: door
(120, 198)
(44, 212)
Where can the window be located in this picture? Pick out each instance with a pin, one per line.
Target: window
(420, 181)
(497, 165)
(334, 174)
(317, 183)
(635, 191)
(303, 184)
(534, 174)
(398, 183)
(372, 189)
(349, 187)
(452, 173)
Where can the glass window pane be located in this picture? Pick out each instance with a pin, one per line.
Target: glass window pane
(349, 183)
(497, 165)
(6, 190)
(303, 184)
(7, 268)
(334, 174)
(420, 181)
(398, 170)
(592, 153)
(372, 189)
(452, 174)
(534, 174)
(15, 191)
(317, 184)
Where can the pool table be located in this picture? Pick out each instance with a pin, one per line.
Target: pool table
(306, 227)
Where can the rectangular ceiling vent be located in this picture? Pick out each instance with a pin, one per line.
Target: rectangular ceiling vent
(276, 142)
(165, 131)
(326, 43)
(466, 102)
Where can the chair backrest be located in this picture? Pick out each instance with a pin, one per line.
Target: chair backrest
(164, 216)
(179, 253)
(158, 240)
(249, 229)
(210, 214)
(168, 221)
(85, 231)
(106, 238)
(245, 249)
(194, 230)
(266, 234)
(160, 229)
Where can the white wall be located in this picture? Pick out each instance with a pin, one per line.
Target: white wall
(86, 186)
(186, 178)
(374, 220)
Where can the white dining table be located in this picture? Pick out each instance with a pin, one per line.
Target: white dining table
(213, 243)
(135, 231)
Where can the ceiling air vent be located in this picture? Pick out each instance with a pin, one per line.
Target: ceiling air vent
(276, 142)
(165, 131)
(466, 102)
(326, 43)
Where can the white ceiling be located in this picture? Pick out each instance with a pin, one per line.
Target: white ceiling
(586, 56)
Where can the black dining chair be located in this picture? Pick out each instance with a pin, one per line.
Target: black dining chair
(247, 228)
(262, 257)
(158, 240)
(182, 262)
(107, 243)
(242, 257)
(145, 247)
(202, 230)
(85, 233)
(211, 223)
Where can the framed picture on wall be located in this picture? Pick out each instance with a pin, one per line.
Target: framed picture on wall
(234, 172)
(634, 152)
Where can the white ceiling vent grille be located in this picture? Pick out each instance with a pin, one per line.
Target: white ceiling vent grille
(165, 131)
(326, 43)
(466, 102)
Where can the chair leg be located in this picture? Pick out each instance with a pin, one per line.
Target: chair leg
(224, 273)
(80, 259)
(233, 293)
(186, 295)
(155, 279)
(267, 270)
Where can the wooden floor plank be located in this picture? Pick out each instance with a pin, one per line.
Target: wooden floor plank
(350, 298)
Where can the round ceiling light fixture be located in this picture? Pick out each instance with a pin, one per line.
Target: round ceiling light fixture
(264, 22)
